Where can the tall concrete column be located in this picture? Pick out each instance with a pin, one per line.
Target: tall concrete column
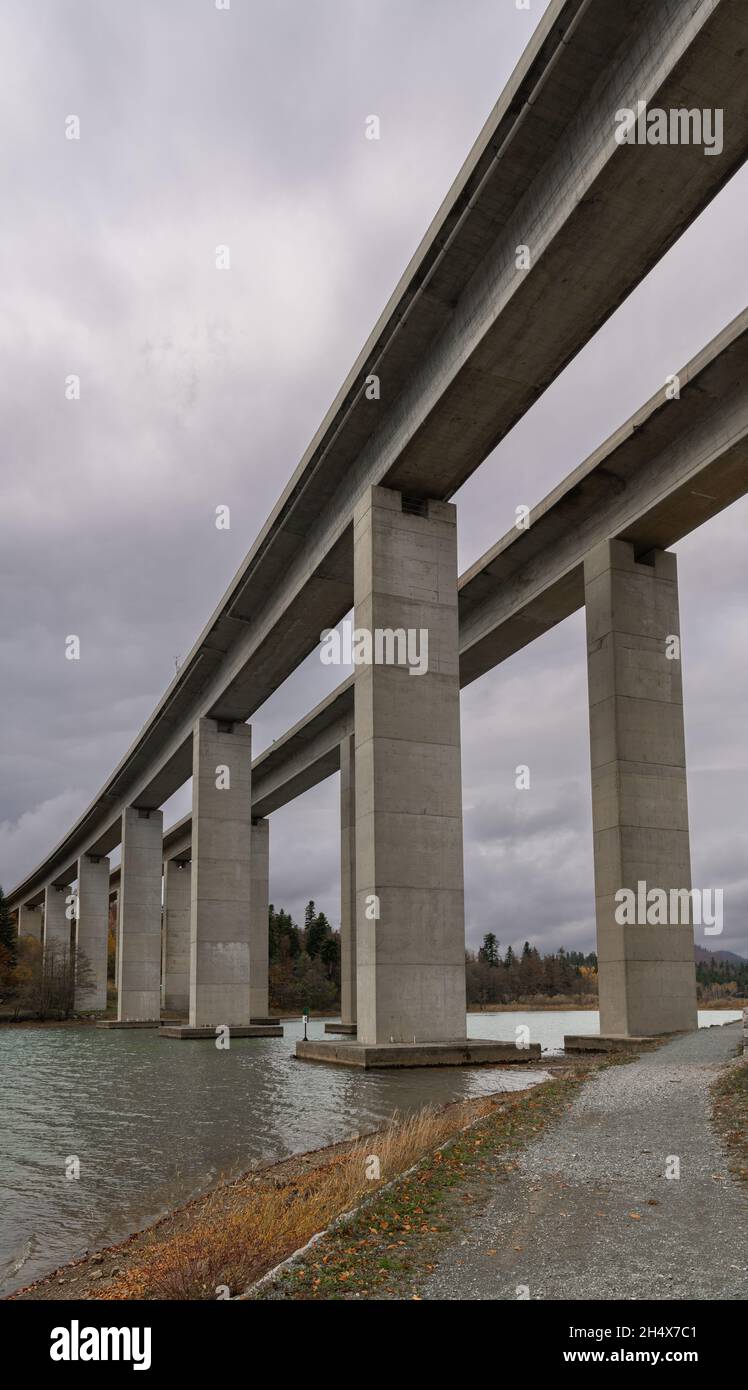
(139, 917)
(259, 903)
(30, 921)
(639, 801)
(93, 928)
(114, 903)
(221, 874)
(410, 942)
(176, 970)
(348, 881)
(57, 923)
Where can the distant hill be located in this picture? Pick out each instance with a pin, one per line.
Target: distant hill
(702, 956)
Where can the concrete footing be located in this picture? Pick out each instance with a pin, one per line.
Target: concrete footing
(459, 1052)
(349, 1029)
(264, 1022)
(128, 1023)
(606, 1042)
(242, 1030)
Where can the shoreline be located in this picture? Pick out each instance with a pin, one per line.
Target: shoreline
(89, 1021)
(95, 1274)
(184, 1233)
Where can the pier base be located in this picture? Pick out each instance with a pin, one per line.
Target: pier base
(128, 1023)
(460, 1052)
(241, 1030)
(349, 1029)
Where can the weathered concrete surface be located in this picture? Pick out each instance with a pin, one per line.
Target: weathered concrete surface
(221, 875)
(57, 924)
(245, 1030)
(561, 1223)
(347, 1029)
(259, 902)
(139, 918)
(127, 1023)
(468, 341)
(92, 929)
(30, 921)
(410, 924)
(647, 978)
(453, 1052)
(175, 984)
(348, 884)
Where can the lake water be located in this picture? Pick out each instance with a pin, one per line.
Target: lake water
(154, 1121)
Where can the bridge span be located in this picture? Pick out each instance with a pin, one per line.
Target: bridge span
(471, 337)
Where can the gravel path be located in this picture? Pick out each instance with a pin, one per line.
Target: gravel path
(561, 1223)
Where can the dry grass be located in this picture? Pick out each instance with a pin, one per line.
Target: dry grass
(730, 1115)
(244, 1229)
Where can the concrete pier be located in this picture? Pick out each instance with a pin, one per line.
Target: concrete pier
(92, 928)
(410, 938)
(348, 883)
(30, 921)
(57, 924)
(259, 902)
(639, 801)
(139, 918)
(176, 932)
(221, 875)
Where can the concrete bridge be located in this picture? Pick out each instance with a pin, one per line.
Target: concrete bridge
(471, 337)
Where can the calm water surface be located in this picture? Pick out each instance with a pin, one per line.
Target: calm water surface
(153, 1121)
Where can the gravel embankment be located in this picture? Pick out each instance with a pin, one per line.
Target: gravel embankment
(589, 1213)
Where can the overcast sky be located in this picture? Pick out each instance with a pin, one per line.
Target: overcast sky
(246, 127)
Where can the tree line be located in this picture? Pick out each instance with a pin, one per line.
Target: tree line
(495, 979)
(39, 983)
(304, 961)
(305, 970)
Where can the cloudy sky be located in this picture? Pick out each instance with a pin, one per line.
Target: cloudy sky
(246, 127)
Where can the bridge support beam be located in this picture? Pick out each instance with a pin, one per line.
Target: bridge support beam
(639, 801)
(348, 1009)
(56, 920)
(139, 918)
(221, 874)
(259, 902)
(93, 928)
(30, 921)
(410, 938)
(176, 947)
(347, 890)
(409, 879)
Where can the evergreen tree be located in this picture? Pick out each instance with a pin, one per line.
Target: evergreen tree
(489, 951)
(317, 930)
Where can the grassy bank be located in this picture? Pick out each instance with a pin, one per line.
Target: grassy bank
(730, 1116)
(222, 1242)
(395, 1238)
